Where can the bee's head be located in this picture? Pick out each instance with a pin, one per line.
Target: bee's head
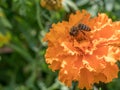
(74, 31)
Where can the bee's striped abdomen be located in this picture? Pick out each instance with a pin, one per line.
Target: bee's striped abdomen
(83, 27)
(80, 27)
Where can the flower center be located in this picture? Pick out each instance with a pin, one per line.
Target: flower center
(82, 42)
(81, 37)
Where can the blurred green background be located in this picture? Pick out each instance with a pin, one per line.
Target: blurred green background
(23, 24)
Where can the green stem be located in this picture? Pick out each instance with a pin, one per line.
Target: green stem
(38, 15)
(21, 52)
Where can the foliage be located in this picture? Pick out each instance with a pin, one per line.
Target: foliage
(22, 63)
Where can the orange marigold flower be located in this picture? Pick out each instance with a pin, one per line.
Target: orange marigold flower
(84, 49)
(51, 4)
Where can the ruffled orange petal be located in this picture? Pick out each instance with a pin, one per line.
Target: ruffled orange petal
(99, 77)
(111, 71)
(86, 79)
(79, 17)
(70, 69)
(101, 21)
(94, 64)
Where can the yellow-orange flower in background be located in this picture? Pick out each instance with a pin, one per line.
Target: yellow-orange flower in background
(51, 4)
(4, 39)
(88, 57)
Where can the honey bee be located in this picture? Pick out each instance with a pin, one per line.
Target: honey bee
(80, 27)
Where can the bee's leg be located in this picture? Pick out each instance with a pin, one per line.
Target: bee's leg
(83, 32)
